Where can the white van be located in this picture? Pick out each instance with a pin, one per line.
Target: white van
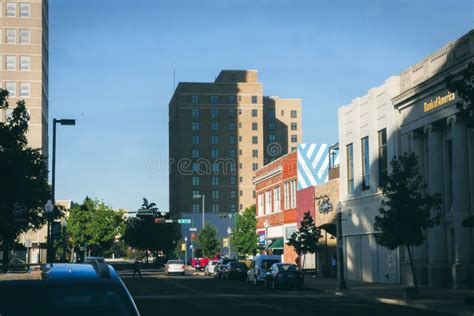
(259, 267)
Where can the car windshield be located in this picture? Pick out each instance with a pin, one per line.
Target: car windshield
(226, 261)
(287, 267)
(239, 265)
(71, 300)
(266, 264)
(175, 262)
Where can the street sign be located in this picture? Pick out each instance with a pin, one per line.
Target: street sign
(168, 221)
(28, 243)
(225, 242)
(183, 247)
(184, 221)
(193, 229)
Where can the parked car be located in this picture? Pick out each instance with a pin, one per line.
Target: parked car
(234, 270)
(219, 266)
(90, 259)
(210, 268)
(199, 263)
(260, 266)
(175, 267)
(284, 274)
(68, 289)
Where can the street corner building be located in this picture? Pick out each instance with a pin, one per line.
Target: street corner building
(220, 133)
(24, 64)
(411, 112)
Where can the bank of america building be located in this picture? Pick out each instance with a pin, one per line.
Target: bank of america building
(411, 112)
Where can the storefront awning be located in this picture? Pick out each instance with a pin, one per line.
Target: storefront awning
(330, 228)
(276, 244)
(468, 222)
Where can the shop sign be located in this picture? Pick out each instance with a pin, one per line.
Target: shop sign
(261, 238)
(438, 101)
(325, 205)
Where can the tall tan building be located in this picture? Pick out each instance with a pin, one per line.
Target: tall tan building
(24, 63)
(220, 133)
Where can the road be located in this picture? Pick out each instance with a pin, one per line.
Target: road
(159, 294)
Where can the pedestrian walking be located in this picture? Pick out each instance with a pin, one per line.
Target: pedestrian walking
(334, 266)
(136, 269)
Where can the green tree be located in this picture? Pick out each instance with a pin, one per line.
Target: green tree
(24, 187)
(306, 239)
(463, 85)
(244, 237)
(406, 208)
(208, 242)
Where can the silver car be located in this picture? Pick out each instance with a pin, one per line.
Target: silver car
(210, 268)
(175, 267)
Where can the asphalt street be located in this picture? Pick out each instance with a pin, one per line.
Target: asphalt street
(159, 294)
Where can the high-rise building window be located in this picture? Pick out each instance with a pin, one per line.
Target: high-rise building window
(254, 113)
(196, 208)
(282, 113)
(232, 153)
(232, 99)
(254, 126)
(214, 99)
(254, 166)
(215, 208)
(254, 139)
(241, 165)
(214, 139)
(195, 139)
(214, 126)
(195, 99)
(240, 138)
(214, 153)
(195, 126)
(271, 138)
(214, 194)
(232, 126)
(11, 63)
(11, 9)
(271, 126)
(11, 87)
(195, 180)
(233, 208)
(215, 167)
(232, 180)
(350, 168)
(240, 124)
(11, 36)
(365, 163)
(214, 180)
(233, 194)
(294, 138)
(195, 194)
(254, 153)
(282, 138)
(25, 63)
(195, 153)
(24, 89)
(240, 111)
(214, 113)
(241, 179)
(293, 114)
(232, 113)
(24, 9)
(231, 139)
(383, 159)
(25, 36)
(254, 99)
(240, 152)
(271, 114)
(294, 126)
(293, 149)
(241, 193)
(195, 113)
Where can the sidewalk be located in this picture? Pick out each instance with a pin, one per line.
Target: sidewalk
(441, 300)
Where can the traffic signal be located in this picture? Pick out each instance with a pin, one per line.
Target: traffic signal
(193, 237)
(159, 220)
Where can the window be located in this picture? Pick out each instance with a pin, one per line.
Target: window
(195, 113)
(268, 202)
(195, 126)
(215, 181)
(254, 166)
(232, 153)
(232, 180)
(286, 199)
(195, 139)
(214, 139)
(195, 180)
(254, 153)
(214, 153)
(11, 9)
(283, 138)
(232, 99)
(293, 114)
(231, 113)
(25, 63)
(215, 167)
(254, 139)
(293, 194)
(214, 113)
(254, 126)
(233, 208)
(11, 63)
(254, 99)
(11, 87)
(195, 99)
(214, 126)
(365, 163)
(241, 165)
(233, 194)
(293, 149)
(271, 138)
(195, 167)
(241, 179)
(276, 199)
(214, 194)
(294, 126)
(195, 153)
(240, 138)
(215, 208)
(214, 99)
(240, 152)
(254, 113)
(196, 208)
(24, 36)
(241, 193)
(350, 168)
(195, 194)
(240, 111)
(24, 89)
(282, 113)
(260, 205)
(232, 126)
(271, 126)
(11, 36)
(294, 138)
(383, 163)
(24, 10)
(232, 139)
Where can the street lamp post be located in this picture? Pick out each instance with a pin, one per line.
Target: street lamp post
(266, 224)
(340, 254)
(49, 207)
(185, 250)
(229, 232)
(67, 122)
(198, 196)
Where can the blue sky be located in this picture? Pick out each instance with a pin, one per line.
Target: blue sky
(111, 68)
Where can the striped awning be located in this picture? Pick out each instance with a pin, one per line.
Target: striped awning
(276, 244)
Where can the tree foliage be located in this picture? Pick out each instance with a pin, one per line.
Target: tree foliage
(244, 238)
(208, 242)
(406, 208)
(24, 189)
(306, 239)
(464, 87)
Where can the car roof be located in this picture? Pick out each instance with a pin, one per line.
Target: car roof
(75, 271)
